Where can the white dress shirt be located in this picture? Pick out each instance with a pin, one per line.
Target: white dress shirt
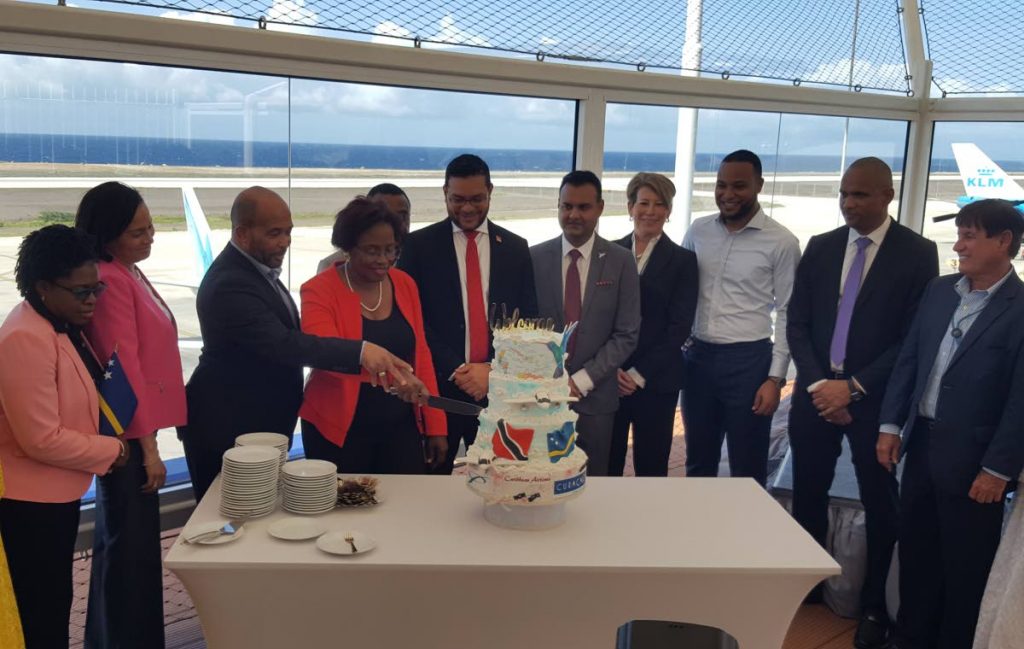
(645, 256)
(483, 251)
(582, 380)
(744, 276)
(641, 266)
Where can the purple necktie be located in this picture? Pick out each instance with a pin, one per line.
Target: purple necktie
(850, 289)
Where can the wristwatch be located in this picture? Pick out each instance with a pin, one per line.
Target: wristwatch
(855, 393)
(780, 381)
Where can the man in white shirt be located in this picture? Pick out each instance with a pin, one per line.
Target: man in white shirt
(597, 286)
(734, 373)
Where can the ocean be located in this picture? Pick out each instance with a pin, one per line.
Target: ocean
(86, 149)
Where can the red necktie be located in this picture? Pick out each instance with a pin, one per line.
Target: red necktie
(479, 341)
(572, 302)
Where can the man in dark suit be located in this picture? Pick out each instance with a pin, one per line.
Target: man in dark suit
(856, 291)
(249, 377)
(650, 380)
(462, 265)
(593, 282)
(957, 393)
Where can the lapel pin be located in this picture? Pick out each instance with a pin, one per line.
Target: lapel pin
(497, 238)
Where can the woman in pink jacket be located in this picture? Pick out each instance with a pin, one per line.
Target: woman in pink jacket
(50, 445)
(126, 587)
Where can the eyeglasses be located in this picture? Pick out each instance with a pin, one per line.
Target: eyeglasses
(476, 201)
(390, 252)
(82, 293)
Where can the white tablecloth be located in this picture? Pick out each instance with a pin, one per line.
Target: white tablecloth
(713, 551)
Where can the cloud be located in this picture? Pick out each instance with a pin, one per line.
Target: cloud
(216, 18)
(390, 33)
(290, 15)
(351, 99)
(958, 85)
(865, 73)
(452, 34)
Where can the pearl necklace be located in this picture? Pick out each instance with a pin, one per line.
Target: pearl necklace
(380, 291)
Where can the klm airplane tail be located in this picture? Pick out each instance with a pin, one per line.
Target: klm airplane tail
(983, 178)
(199, 232)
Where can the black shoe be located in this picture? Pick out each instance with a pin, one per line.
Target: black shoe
(873, 632)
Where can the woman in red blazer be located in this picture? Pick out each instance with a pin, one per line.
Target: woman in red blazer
(50, 445)
(126, 588)
(345, 419)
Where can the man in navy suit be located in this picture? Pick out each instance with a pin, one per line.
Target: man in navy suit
(462, 265)
(856, 291)
(957, 394)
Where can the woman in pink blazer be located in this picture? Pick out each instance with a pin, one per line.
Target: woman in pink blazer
(50, 446)
(126, 588)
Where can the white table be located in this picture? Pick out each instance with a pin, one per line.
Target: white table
(712, 551)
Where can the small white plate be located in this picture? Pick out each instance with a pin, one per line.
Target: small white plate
(297, 529)
(335, 543)
(307, 468)
(202, 528)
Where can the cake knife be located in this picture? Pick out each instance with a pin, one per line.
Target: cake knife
(453, 406)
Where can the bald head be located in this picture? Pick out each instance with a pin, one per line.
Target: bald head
(865, 193)
(261, 225)
(875, 167)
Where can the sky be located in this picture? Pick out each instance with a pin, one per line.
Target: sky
(41, 95)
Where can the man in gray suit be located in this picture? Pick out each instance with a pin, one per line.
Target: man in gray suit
(584, 278)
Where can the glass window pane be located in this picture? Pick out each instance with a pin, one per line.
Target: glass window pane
(803, 158)
(69, 125)
(970, 161)
(348, 137)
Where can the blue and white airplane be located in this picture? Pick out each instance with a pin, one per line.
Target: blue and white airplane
(199, 232)
(983, 178)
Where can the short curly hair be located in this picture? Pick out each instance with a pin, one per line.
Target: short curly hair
(51, 253)
(106, 211)
(359, 216)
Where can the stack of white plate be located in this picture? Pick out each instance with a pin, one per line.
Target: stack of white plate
(249, 480)
(310, 486)
(276, 440)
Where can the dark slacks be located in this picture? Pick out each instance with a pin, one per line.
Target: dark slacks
(947, 544)
(205, 447)
(461, 429)
(386, 450)
(652, 415)
(721, 382)
(39, 539)
(126, 591)
(594, 435)
(204, 456)
(816, 446)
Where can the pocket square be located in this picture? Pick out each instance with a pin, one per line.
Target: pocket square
(603, 282)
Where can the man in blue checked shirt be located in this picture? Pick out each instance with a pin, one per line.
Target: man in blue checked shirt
(957, 394)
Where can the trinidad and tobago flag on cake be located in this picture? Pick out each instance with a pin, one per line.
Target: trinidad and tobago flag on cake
(512, 443)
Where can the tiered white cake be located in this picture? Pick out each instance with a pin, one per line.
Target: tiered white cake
(525, 454)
